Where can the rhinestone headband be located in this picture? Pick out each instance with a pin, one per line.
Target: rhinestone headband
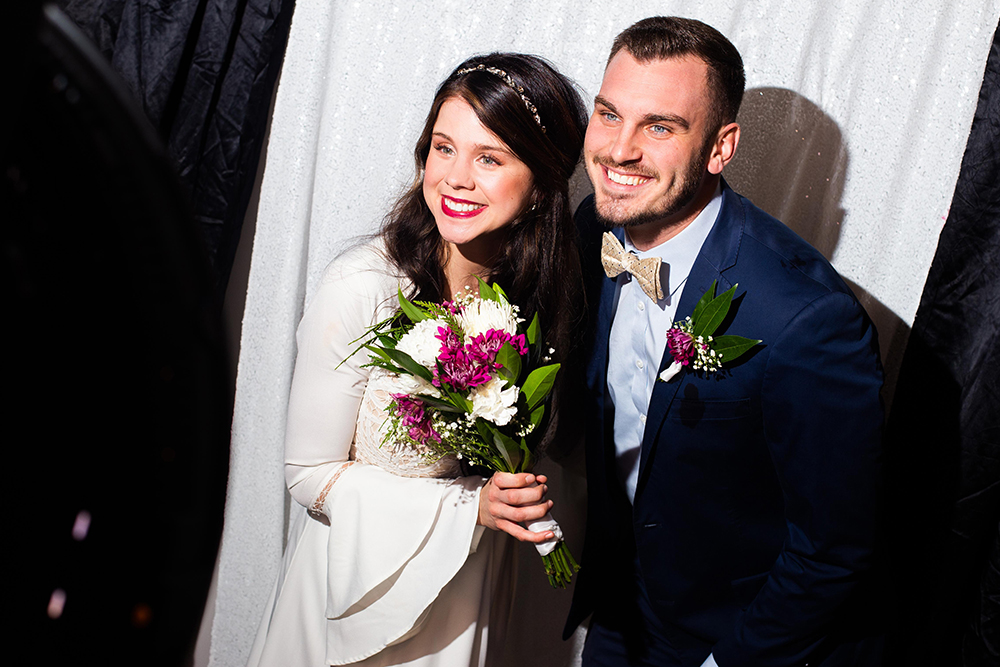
(510, 84)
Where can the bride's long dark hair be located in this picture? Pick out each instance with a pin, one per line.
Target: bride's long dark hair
(537, 263)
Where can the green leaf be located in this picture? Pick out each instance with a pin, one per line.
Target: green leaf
(377, 351)
(500, 292)
(714, 313)
(705, 299)
(508, 357)
(537, 414)
(508, 450)
(484, 430)
(539, 384)
(439, 404)
(408, 364)
(485, 291)
(525, 457)
(459, 400)
(411, 311)
(731, 348)
(387, 341)
(534, 332)
(392, 368)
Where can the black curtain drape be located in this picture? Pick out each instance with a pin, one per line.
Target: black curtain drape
(117, 403)
(204, 72)
(943, 448)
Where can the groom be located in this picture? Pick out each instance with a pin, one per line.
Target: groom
(732, 515)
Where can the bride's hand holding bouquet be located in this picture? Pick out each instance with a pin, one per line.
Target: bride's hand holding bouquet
(475, 385)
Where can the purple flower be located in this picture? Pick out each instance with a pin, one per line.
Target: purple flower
(414, 418)
(681, 346)
(423, 432)
(520, 343)
(449, 340)
(461, 370)
(485, 346)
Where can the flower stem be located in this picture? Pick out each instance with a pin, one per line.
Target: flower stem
(560, 566)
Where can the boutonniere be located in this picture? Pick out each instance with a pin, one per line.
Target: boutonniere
(691, 342)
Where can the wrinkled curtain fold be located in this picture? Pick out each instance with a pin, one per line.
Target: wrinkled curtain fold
(944, 432)
(204, 72)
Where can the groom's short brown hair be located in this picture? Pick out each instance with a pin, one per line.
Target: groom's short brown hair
(664, 37)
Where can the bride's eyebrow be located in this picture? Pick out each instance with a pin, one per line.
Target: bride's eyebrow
(477, 147)
(496, 149)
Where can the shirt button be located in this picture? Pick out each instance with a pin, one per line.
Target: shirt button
(642, 418)
(639, 364)
(642, 306)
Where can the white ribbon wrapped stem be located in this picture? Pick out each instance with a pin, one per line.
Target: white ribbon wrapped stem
(542, 525)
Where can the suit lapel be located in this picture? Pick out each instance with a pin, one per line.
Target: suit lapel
(718, 253)
(598, 371)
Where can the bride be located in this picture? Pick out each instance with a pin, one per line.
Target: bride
(393, 559)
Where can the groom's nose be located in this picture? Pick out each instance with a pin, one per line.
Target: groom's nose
(625, 147)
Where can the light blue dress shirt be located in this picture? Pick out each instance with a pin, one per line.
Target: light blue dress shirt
(639, 336)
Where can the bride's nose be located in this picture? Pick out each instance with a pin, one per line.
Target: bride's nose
(460, 175)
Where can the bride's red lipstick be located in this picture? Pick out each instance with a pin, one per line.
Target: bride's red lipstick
(460, 214)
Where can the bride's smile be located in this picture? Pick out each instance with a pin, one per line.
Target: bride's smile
(473, 184)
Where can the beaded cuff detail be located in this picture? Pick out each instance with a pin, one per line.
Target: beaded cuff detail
(317, 506)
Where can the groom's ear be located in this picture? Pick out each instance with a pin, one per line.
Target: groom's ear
(723, 148)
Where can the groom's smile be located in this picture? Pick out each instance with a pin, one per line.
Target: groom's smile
(646, 149)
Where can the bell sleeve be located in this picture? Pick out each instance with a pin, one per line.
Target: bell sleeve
(394, 542)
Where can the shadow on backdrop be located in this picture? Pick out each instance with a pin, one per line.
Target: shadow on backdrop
(792, 162)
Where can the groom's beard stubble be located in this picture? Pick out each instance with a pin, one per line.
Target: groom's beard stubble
(667, 205)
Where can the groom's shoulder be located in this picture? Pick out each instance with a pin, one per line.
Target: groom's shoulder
(771, 249)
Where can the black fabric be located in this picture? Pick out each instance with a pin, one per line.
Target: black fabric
(944, 432)
(204, 72)
(116, 407)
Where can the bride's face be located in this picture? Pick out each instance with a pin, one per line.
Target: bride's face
(474, 185)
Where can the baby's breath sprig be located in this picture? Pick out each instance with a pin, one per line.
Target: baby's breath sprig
(691, 343)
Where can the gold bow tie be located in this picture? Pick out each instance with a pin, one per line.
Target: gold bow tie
(646, 271)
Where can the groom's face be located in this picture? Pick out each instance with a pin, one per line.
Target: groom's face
(647, 144)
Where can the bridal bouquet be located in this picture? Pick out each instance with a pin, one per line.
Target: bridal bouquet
(475, 383)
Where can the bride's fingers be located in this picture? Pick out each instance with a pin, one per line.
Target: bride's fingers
(523, 534)
(501, 512)
(518, 490)
(507, 480)
(520, 497)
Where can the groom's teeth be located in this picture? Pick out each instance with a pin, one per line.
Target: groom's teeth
(623, 179)
(461, 208)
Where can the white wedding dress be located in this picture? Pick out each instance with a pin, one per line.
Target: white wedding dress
(384, 564)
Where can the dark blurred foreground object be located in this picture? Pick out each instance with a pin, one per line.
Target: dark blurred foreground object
(116, 421)
(203, 72)
(943, 447)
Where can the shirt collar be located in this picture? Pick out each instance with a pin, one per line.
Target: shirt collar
(678, 253)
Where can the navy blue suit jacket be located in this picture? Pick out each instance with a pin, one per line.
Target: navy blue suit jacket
(756, 511)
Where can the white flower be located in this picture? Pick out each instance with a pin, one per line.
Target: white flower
(413, 385)
(671, 370)
(482, 315)
(494, 404)
(420, 342)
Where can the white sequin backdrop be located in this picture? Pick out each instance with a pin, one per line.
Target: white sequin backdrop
(855, 119)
